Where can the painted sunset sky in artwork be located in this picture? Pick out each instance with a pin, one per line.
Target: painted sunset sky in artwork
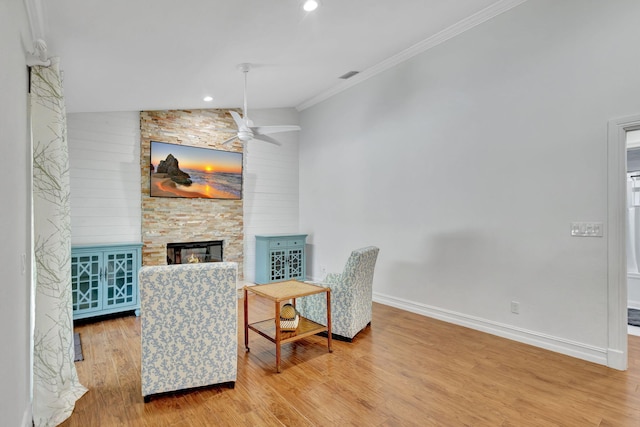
(196, 158)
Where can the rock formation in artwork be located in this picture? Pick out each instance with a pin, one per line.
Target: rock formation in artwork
(171, 168)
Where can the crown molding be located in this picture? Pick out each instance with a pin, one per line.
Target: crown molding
(420, 47)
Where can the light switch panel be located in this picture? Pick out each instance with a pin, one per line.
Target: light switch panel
(586, 229)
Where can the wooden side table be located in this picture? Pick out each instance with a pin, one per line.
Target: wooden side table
(270, 328)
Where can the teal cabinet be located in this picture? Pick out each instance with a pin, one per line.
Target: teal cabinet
(280, 257)
(104, 279)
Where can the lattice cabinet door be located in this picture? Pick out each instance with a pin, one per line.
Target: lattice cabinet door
(120, 279)
(86, 272)
(278, 265)
(295, 262)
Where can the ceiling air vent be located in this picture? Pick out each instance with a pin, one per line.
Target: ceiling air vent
(349, 75)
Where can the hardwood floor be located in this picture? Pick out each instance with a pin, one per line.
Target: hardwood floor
(405, 370)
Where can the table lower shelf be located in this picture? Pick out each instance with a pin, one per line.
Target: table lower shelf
(306, 328)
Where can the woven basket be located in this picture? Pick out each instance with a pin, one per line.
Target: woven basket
(289, 318)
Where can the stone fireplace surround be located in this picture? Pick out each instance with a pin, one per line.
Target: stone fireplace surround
(167, 220)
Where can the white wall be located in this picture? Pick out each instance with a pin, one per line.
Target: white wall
(15, 211)
(105, 180)
(104, 161)
(467, 164)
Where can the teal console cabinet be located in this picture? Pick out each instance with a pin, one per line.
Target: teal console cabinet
(104, 279)
(280, 257)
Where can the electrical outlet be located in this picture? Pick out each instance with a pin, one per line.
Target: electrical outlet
(515, 307)
(586, 229)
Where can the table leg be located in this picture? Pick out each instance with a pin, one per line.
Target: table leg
(329, 320)
(246, 319)
(277, 320)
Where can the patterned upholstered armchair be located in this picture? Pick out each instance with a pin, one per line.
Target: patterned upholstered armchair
(351, 294)
(189, 315)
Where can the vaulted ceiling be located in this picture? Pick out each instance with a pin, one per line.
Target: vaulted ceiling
(123, 55)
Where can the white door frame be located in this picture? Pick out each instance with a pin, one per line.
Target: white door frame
(616, 239)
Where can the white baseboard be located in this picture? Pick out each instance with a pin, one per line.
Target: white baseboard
(616, 360)
(240, 288)
(559, 345)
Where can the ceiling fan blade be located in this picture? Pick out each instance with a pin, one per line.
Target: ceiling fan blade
(266, 130)
(229, 140)
(239, 121)
(266, 138)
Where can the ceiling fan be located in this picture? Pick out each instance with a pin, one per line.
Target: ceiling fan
(246, 130)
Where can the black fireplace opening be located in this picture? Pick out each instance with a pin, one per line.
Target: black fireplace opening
(191, 252)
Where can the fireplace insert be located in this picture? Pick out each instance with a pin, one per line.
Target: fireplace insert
(186, 252)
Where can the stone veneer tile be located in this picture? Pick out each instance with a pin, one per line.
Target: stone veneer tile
(167, 220)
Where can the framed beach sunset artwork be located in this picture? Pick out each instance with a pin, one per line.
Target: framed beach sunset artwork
(195, 172)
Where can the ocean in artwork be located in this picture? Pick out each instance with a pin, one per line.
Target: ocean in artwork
(225, 182)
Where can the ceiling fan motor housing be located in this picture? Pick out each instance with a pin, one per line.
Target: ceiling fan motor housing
(245, 135)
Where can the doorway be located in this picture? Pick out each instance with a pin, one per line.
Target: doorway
(617, 348)
(633, 224)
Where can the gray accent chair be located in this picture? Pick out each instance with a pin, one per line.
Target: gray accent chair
(351, 296)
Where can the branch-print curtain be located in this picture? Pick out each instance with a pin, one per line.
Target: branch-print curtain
(55, 381)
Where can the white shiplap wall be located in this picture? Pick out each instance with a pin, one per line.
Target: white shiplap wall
(270, 187)
(104, 160)
(104, 152)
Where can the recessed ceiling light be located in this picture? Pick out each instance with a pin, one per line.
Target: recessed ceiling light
(310, 5)
(208, 98)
